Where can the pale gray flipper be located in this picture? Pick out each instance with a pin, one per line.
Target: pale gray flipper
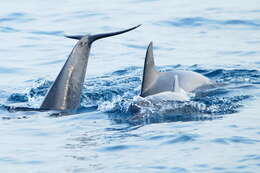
(65, 92)
(155, 82)
(176, 86)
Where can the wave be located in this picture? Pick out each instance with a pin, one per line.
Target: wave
(117, 93)
(213, 23)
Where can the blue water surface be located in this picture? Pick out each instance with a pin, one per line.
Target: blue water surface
(218, 130)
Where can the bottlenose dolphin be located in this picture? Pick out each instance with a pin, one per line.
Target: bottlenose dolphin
(155, 82)
(65, 92)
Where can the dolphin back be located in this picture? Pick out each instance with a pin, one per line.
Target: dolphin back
(155, 82)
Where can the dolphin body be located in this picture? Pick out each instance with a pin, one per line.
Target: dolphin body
(155, 82)
(65, 92)
(160, 87)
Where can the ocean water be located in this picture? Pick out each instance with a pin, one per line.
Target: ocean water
(218, 130)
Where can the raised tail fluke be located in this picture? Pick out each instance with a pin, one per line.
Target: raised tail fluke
(93, 38)
(149, 73)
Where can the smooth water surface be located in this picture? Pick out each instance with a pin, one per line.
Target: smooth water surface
(218, 130)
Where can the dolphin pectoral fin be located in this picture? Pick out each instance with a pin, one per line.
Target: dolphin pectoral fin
(93, 38)
(76, 37)
(149, 72)
(176, 86)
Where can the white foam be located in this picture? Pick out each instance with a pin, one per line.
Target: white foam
(170, 96)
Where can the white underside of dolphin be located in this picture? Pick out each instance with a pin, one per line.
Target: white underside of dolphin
(178, 82)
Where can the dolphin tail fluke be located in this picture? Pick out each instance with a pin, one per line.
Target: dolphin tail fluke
(76, 37)
(95, 37)
(149, 73)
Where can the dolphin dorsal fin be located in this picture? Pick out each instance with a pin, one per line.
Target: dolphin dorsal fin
(149, 73)
(176, 86)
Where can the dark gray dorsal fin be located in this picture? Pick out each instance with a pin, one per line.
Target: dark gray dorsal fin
(149, 73)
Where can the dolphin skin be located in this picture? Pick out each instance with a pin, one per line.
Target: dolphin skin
(155, 82)
(176, 94)
(66, 90)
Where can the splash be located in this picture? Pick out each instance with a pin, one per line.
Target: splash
(117, 93)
